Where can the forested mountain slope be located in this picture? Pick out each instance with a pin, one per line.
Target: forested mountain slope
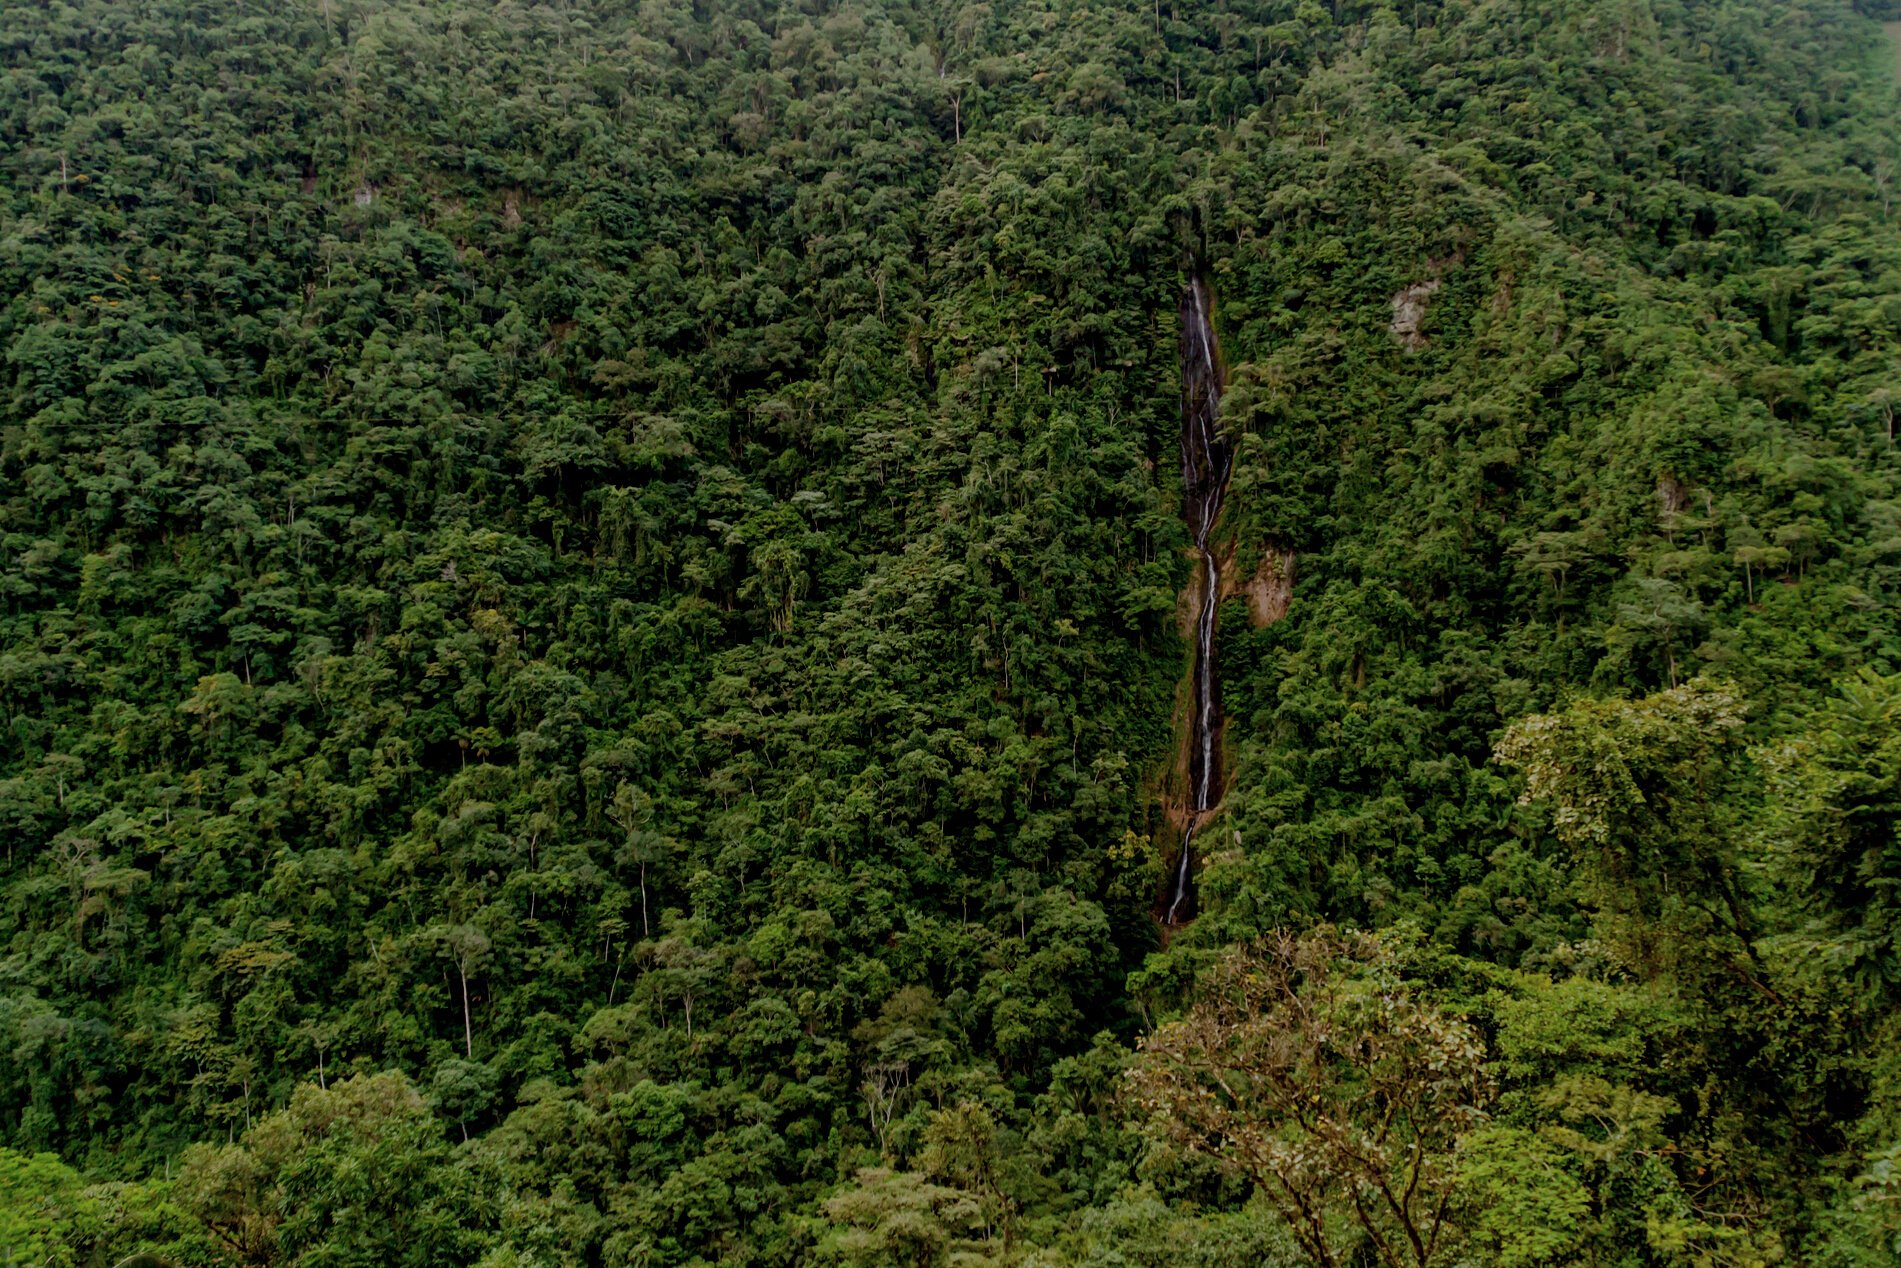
(591, 633)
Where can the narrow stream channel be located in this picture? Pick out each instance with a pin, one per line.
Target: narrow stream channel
(1207, 460)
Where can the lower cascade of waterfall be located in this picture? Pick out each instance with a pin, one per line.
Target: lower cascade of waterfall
(1207, 460)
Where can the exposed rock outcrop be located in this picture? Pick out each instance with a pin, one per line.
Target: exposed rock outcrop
(1409, 310)
(1271, 588)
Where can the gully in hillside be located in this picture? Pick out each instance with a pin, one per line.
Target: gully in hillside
(1207, 460)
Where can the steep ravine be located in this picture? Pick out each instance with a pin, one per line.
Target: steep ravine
(1207, 460)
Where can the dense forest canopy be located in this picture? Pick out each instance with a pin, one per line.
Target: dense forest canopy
(593, 608)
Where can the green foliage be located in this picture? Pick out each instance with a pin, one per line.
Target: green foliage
(40, 1208)
(1634, 789)
(1307, 1066)
(588, 615)
(50, 1215)
(354, 1174)
(1838, 833)
(1529, 1208)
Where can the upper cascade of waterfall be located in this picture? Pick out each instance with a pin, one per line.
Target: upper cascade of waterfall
(1207, 458)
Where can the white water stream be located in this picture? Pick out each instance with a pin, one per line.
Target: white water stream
(1207, 460)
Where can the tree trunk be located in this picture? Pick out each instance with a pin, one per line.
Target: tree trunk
(468, 1030)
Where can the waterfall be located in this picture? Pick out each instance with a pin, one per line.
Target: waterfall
(1207, 460)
